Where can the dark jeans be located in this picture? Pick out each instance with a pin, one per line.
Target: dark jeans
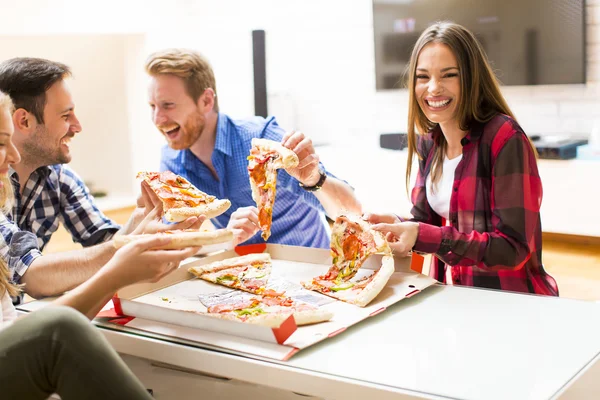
(57, 350)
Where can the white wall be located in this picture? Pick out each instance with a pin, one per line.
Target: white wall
(320, 66)
(97, 63)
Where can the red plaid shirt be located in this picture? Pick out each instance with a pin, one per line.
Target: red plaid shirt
(495, 238)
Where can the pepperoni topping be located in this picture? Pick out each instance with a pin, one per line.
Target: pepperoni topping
(219, 308)
(272, 293)
(174, 180)
(331, 274)
(254, 283)
(351, 247)
(258, 174)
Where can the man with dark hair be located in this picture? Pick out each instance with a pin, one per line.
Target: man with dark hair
(48, 192)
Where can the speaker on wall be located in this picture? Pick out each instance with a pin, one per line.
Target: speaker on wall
(260, 73)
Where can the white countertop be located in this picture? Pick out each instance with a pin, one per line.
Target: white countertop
(446, 342)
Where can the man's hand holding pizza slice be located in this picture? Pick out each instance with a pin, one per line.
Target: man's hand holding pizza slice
(307, 171)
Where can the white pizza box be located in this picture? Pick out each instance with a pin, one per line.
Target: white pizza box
(171, 306)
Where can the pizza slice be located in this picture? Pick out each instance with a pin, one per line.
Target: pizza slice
(181, 238)
(266, 157)
(249, 273)
(181, 199)
(358, 291)
(270, 307)
(352, 242)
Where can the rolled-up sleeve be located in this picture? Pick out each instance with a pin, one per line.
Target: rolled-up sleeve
(79, 214)
(17, 248)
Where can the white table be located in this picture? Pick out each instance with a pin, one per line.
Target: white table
(446, 342)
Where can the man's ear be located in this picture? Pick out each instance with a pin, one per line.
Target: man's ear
(24, 121)
(206, 101)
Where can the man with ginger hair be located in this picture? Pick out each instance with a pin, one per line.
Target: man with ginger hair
(210, 149)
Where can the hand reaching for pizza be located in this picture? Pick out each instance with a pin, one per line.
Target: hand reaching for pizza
(136, 262)
(387, 218)
(144, 205)
(401, 236)
(307, 171)
(244, 224)
(153, 209)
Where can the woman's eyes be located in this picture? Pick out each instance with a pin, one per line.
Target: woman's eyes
(451, 75)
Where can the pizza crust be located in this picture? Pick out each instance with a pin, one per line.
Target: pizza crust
(377, 284)
(306, 317)
(209, 210)
(368, 293)
(230, 263)
(180, 240)
(288, 158)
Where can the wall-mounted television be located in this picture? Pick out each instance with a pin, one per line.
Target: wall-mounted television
(529, 42)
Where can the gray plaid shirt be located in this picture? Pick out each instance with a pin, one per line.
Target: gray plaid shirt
(52, 195)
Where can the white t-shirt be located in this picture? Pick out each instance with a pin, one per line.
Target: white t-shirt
(439, 199)
(8, 313)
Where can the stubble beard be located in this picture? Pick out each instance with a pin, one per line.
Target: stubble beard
(35, 153)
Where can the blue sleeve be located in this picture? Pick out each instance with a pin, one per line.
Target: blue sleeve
(286, 182)
(79, 214)
(17, 248)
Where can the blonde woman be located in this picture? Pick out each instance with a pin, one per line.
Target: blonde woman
(57, 350)
(476, 202)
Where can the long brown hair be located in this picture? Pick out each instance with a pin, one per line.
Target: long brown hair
(6, 202)
(481, 98)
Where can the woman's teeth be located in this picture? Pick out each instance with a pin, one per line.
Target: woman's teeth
(438, 104)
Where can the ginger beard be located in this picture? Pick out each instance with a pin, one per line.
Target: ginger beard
(182, 137)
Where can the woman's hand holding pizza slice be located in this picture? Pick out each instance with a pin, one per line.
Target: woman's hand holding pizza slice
(401, 236)
(243, 223)
(353, 240)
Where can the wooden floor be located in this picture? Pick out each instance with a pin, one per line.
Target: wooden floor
(573, 262)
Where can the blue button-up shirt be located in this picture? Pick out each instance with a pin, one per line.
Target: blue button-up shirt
(298, 217)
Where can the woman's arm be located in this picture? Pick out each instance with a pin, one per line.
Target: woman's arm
(516, 196)
(133, 263)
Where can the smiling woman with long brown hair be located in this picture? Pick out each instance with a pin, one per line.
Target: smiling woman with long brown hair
(56, 349)
(477, 197)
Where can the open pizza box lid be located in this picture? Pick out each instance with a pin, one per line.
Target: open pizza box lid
(170, 306)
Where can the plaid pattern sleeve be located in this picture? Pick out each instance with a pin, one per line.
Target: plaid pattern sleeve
(78, 212)
(494, 236)
(17, 248)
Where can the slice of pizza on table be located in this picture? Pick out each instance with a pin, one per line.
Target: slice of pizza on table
(352, 242)
(249, 273)
(266, 157)
(271, 308)
(181, 199)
